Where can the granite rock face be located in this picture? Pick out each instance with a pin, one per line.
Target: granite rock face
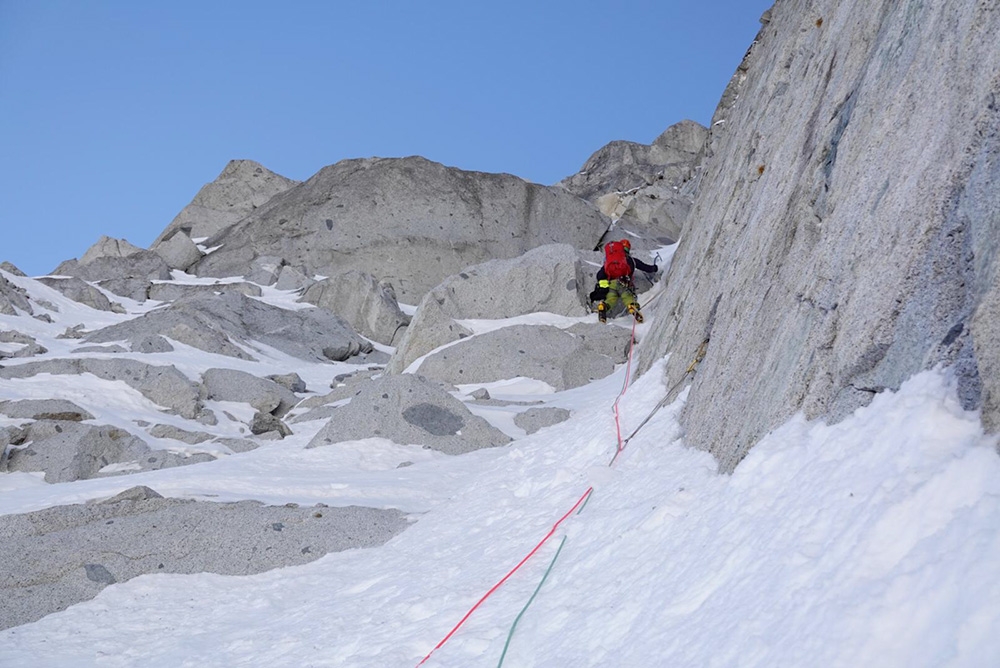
(545, 353)
(625, 165)
(550, 278)
(645, 187)
(67, 450)
(242, 186)
(263, 394)
(845, 233)
(227, 324)
(410, 222)
(118, 266)
(163, 385)
(139, 532)
(369, 306)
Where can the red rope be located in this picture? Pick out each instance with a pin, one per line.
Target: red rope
(620, 447)
(506, 577)
(628, 376)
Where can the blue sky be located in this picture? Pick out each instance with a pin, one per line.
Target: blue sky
(113, 114)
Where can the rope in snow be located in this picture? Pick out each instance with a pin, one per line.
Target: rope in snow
(582, 501)
(619, 448)
(628, 376)
(517, 619)
(699, 356)
(510, 573)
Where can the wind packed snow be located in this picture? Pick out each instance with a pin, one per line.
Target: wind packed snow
(872, 542)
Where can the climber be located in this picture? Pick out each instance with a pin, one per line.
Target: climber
(614, 280)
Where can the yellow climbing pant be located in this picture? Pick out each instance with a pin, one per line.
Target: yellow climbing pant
(619, 289)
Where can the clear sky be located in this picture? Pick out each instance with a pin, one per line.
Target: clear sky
(114, 113)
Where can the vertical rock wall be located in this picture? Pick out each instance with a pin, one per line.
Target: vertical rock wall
(845, 232)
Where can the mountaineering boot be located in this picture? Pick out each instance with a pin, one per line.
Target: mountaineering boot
(634, 310)
(602, 312)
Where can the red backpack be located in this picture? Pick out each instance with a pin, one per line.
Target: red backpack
(616, 261)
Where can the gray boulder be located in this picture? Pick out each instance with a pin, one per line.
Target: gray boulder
(409, 409)
(263, 424)
(291, 381)
(242, 186)
(623, 165)
(265, 269)
(178, 434)
(844, 235)
(44, 409)
(290, 278)
(369, 306)
(12, 298)
(409, 221)
(545, 353)
(170, 291)
(82, 292)
(108, 247)
(163, 385)
(535, 419)
(118, 266)
(11, 269)
(29, 347)
(549, 278)
(178, 251)
(66, 451)
(230, 323)
(263, 394)
(68, 554)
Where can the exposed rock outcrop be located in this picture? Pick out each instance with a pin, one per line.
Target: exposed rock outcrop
(139, 532)
(369, 306)
(409, 410)
(228, 324)
(845, 233)
(550, 278)
(408, 221)
(624, 165)
(117, 266)
(163, 385)
(242, 186)
(67, 450)
(545, 353)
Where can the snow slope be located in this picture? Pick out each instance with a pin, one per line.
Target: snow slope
(872, 542)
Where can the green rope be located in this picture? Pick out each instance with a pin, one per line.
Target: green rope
(526, 605)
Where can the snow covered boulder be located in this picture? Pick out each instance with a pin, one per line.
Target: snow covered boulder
(549, 278)
(66, 451)
(163, 385)
(369, 306)
(172, 291)
(82, 292)
(409, 409)
(534, 419)
(229, 324)
(118, 266)
(67, 554)
(44, 409)
(29, 346)
(263, 394)
(12, 298)
(265, 269)
(545, 353)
